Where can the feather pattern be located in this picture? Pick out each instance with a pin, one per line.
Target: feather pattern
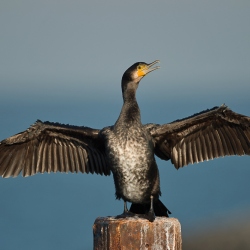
(207, 135)
(51, 147)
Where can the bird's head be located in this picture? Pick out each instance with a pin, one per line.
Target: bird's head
(136, 72)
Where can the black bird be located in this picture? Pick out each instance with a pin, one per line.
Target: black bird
(128, 147)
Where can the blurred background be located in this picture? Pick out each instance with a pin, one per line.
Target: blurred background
(62, 61)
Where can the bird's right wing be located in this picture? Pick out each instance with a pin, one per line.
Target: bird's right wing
(51, 147)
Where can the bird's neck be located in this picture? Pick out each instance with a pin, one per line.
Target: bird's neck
(130, 113)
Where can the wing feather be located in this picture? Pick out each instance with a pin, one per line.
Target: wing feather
(75, 158)
(82, 159)
(204, 148)
(214, 150)
(51, 147)
(243, 139)
(228, 140)
(235, 140)
(207, 147)
(224, 142)
(217, 140)
(184, 153)
(207, 135)
(190, 155)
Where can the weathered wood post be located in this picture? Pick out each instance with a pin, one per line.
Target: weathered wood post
(137, 234)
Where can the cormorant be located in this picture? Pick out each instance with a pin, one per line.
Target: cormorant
(128, 147)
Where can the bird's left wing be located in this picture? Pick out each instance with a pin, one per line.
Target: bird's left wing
(210, 134)
(51, 147)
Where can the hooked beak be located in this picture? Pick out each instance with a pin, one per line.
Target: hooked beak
(149, 69)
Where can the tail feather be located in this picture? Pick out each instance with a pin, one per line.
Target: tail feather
(159, 208)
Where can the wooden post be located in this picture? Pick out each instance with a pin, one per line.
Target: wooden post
(134, 233)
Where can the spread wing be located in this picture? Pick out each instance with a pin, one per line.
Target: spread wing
(51, 147)
(210, 134)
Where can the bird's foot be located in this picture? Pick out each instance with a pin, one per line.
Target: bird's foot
(150, 215)
(126, 214)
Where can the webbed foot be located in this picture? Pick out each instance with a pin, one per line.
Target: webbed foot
(126, 213)
(150, 216)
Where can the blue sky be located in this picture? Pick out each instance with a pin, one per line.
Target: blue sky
(63, 61)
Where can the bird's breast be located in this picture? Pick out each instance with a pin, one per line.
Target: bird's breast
(130, 154)
(129, 148)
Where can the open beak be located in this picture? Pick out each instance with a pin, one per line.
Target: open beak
(149, 68)
(145, 68)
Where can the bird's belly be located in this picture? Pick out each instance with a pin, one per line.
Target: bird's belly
(133, 183)
(131, 167)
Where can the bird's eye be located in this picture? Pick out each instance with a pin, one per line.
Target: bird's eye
(139, 67)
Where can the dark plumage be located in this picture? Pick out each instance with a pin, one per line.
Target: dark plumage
(128, 147)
